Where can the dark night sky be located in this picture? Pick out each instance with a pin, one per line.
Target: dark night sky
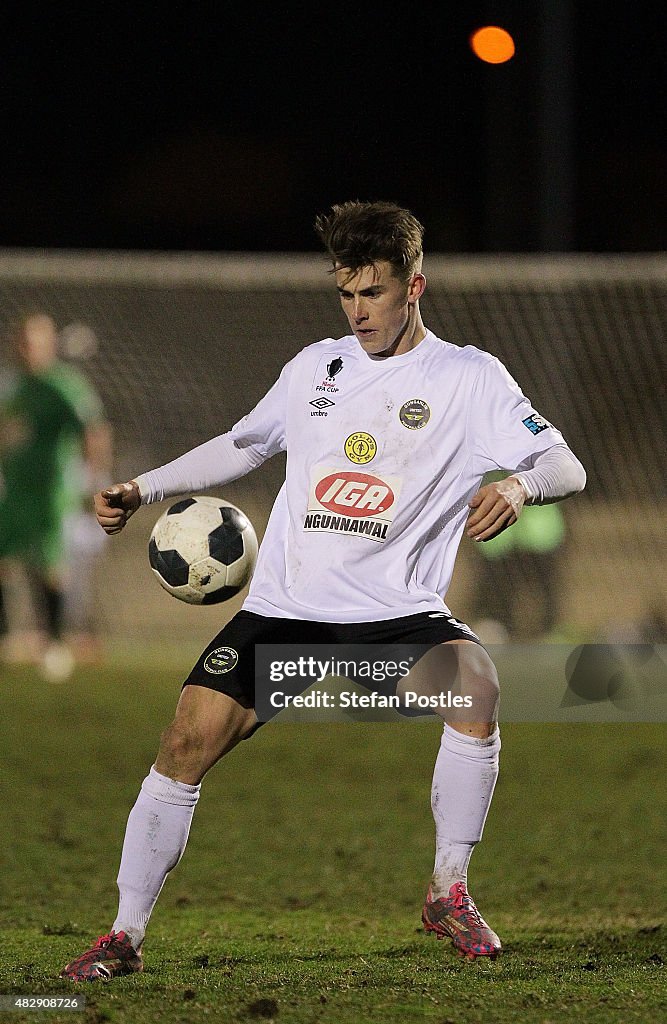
(228, 126)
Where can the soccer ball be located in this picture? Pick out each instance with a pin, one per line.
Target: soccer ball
(203, 550)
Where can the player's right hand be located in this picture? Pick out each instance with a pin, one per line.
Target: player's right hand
(114, 505)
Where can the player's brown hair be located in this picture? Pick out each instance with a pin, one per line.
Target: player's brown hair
(360, 234)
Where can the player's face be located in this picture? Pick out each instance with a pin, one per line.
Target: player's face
(36, 343)
(380, 308)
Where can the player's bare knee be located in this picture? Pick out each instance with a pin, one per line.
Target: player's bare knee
(207, 726)
(476, 666)
(474, 691)
(182, 750)
(485, 685)
(481, 692)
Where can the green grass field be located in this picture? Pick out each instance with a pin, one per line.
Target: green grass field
(299, 896)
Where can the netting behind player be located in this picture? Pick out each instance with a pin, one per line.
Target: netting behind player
(181, 346)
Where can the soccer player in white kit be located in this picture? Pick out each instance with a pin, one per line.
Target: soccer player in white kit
(389, 432)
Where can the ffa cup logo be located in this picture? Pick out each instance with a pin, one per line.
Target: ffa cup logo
(221, 660)
(360, 447)
(414, 414)
(326, 373)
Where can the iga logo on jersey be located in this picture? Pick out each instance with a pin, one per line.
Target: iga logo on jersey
(356, 494)
(349, 501)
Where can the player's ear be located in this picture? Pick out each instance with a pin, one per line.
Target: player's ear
(416, 287)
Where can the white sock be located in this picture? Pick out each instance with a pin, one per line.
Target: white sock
(155, 837)
(464, 778)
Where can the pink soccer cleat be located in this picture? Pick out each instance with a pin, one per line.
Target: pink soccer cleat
(111, 956)
(456, 917)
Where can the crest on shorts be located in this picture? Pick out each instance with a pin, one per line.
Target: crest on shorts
(221, 660)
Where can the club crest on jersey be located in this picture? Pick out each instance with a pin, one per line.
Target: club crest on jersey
(327, 375)
(414, 414)
(536, 424)
(352, 502)
(360, 447)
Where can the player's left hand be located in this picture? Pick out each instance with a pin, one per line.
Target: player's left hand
(495, 507)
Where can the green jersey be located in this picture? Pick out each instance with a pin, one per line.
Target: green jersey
(43, 418)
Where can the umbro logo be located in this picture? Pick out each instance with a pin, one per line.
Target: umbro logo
(321, 404)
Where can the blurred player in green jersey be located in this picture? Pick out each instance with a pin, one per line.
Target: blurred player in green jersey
(520, 577)
(52, 424)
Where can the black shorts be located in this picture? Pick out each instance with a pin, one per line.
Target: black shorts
(228, 662)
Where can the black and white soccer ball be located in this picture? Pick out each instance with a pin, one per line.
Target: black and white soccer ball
(203, 550)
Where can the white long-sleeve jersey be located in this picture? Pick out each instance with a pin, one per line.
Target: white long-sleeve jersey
(383, 456)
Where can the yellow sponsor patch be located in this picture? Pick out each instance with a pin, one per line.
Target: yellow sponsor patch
(360, 447)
